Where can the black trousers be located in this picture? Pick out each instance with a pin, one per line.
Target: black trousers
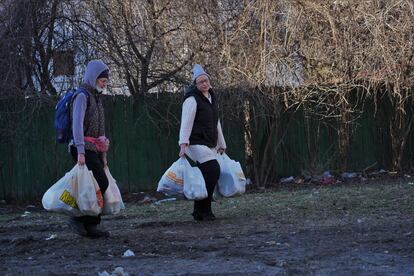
(93, 161)
(211, 174)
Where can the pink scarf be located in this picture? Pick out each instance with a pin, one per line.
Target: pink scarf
(101, 143)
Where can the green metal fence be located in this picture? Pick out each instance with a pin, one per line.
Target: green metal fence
(144, 142)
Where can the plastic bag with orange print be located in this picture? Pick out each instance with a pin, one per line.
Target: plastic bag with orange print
(171, 182)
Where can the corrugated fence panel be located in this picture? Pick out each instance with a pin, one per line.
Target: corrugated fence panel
(144, 143)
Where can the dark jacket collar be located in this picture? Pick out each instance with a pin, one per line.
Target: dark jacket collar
(89, 88)
(192, 89)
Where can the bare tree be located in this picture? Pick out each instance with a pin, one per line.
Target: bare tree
(346, 47)
(141, 38)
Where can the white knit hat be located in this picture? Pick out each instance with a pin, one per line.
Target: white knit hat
(198, 71)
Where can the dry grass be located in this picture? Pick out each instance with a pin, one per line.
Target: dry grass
(354, 200)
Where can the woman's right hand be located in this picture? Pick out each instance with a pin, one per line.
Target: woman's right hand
(81, 159)
(182, 150)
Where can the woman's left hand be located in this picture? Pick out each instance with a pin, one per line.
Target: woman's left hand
(221, 150)
(182, 150)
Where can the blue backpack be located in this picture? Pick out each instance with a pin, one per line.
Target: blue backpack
(63, 124)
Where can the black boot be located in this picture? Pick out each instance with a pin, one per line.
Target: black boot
(94, 232)
(197, 216)
(209, 214)
(77, 226)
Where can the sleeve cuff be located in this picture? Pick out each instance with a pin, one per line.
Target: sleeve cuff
(183, 142)
(80, 149)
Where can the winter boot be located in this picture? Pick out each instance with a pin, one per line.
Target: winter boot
(77, 226)
(94, 232)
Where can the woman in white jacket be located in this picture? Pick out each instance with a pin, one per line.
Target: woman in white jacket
(201, 136)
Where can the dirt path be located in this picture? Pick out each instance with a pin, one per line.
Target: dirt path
(291, 242)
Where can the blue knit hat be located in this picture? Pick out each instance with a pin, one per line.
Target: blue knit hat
(198, 71)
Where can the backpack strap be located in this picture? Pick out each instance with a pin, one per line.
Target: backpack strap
(78, 91)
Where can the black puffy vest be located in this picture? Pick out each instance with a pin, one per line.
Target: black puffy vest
(204, 130)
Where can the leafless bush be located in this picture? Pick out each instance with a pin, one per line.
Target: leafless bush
(345, 46)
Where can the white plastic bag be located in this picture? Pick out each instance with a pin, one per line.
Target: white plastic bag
(61, 196)
(89, 196)
(194, 184)
(113, 203)
(232, 180)
(75, 194)
(171, 182)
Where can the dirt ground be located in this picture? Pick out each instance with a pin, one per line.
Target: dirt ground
(347, 230)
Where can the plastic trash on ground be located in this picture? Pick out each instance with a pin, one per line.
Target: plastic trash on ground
(349, 175)
(128, 253)
(165, 200)
(52, 237)
(118, 271)
(287, 179)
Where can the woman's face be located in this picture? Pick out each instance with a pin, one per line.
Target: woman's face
(203, 83)
(102, 83)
